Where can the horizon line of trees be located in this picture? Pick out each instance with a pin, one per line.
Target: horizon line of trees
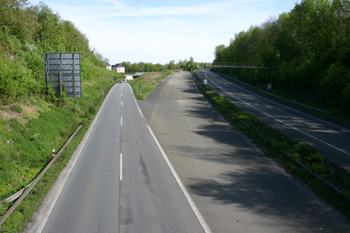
(309, 47)
(189, 65)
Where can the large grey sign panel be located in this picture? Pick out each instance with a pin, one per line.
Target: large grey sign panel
(63, 68)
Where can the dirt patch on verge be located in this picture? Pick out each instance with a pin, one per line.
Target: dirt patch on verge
(27, 112)
(149, 77)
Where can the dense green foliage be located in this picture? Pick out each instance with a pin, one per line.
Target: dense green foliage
(26, 32)
(309, 47)
(33, 121)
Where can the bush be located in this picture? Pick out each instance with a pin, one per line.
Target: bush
(92, 110)
(334, 83)
(346, 98)
(6, 171)
(307, 153)
(16, 108)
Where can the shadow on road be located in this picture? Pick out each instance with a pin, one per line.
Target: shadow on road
(258, 191)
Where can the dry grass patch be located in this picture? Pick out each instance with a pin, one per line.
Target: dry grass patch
(28, 112)
(9, 114)
(150, 77)
(147, 82)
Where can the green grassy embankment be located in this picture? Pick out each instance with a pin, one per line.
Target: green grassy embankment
(30, 129)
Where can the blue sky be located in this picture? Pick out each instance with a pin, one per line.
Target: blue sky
(161, 31)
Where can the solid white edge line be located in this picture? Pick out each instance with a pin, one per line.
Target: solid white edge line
(176, 176)
(121, 167)
(265, 113)
(42, 215)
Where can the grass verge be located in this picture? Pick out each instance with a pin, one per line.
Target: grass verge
(277, 145)
(24, 212)
(148, 82)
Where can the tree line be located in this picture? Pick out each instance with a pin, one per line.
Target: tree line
(308, 47)
(189, 65)
(26, 32)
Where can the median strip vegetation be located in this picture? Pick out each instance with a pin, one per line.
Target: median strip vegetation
(326, 179)
(144, 85)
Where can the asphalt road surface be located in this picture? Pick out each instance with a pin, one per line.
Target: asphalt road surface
(235, 187)
(331, 140)
(121, 181)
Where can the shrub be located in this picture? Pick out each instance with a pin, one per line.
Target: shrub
(307, 153)
(16, 108)
(6, 171)
(334, 83)
(92, 110)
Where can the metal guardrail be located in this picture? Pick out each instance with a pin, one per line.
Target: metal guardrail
(235, 65)
(276, 96)
(24, 192)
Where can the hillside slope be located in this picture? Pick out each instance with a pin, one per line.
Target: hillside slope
(33, 120)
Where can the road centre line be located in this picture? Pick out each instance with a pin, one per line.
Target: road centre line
(121, 167)
(334, 147)
(121, 123)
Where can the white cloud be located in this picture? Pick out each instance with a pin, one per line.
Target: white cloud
(114, 2)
